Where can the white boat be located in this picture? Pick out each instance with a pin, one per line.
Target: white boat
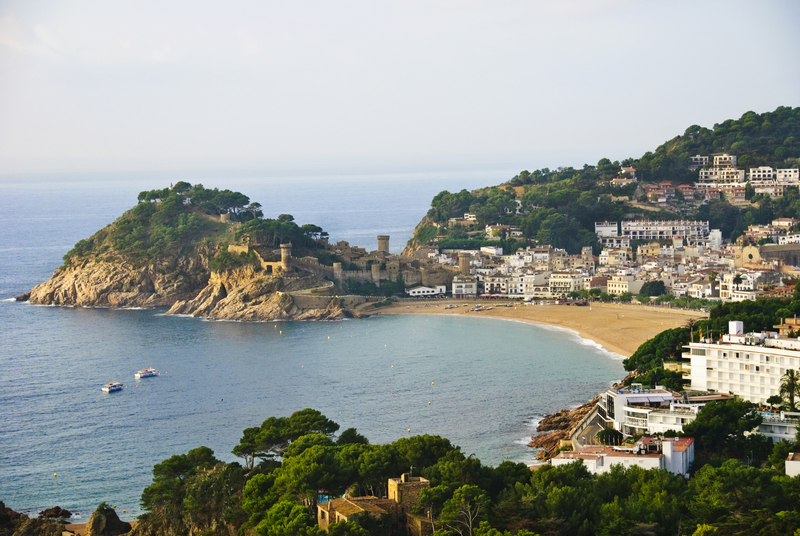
(146, 373)
(111, 387)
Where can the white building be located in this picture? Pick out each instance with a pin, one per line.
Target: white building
(416, 292)
(779, 426)
(749, 366)
(606, 229)
(713, 177)
(793, 464)
(620, 284)
(623, 408)
(492, 251)
(763, 173)
(562, 283)
(715, 239)
(465, 286)
(671, 453)
(725, 160)
(653, 230)
(788, 176)
(789, 239)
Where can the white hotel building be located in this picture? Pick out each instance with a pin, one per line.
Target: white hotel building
(748, 366)
(654, 230)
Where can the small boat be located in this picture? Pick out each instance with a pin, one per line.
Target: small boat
(111, 387)
(146, 373)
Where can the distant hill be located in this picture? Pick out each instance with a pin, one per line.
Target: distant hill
(768, 139)
(560, 206)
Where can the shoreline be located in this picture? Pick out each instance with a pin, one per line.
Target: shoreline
(619, 329)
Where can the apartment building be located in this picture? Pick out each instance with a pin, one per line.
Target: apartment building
(698, 162)
(620, 284)
(650, 230)
(562, 283)
(725, 161)
(748, 366)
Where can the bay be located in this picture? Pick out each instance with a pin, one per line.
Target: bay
(488, 381)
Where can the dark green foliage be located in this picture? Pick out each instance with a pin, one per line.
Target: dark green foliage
(194, 489)
(720, 427)
(665, 346)
(226, 261)
(273, 233)
(653, 288)
(275, 435)
(288, 519)
(350, 436)
(744, 500)
(167, 222)
(756, 315)
(758, 136)
(425, 234)
(193, 493)
(658, 376)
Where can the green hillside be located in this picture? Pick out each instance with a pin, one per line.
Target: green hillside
(569, 200)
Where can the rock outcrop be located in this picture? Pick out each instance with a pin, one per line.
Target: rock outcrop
(100, 282)
(56, 512)
(246, 295)
(559, 425)
(39, 527)
(104, 522)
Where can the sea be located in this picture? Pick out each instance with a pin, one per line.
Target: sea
(482, 383)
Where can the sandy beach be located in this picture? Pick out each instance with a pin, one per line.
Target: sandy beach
(617, 327)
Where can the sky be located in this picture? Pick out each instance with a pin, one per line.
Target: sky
(378, 85)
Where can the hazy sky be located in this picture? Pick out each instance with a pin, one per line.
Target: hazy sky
(127, 85)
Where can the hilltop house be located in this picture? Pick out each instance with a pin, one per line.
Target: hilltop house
(393, 512)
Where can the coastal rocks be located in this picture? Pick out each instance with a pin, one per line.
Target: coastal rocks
(12, 515)
(244, 294)
(566, 419)
(39, 527)
(56, 512)
(549, 442)
(104, 522)
(101, 282)
(559, 425)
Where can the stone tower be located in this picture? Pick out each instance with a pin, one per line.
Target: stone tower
(383, 243)
(337, 271)
(376, 274)
(463, 262)
(286, 256)
(405, 491)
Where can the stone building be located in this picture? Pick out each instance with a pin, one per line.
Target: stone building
(394, 511)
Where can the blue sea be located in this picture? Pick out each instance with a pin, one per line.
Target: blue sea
(482, 383)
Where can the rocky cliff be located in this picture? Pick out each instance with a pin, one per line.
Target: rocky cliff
(246, 295)
(97, 282)
(559, 425)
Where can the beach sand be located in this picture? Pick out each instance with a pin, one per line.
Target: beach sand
(617, 327)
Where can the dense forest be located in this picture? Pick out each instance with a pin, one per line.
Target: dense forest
(564, 203)
(290, 463)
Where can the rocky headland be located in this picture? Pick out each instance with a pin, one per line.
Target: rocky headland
(180, 248)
